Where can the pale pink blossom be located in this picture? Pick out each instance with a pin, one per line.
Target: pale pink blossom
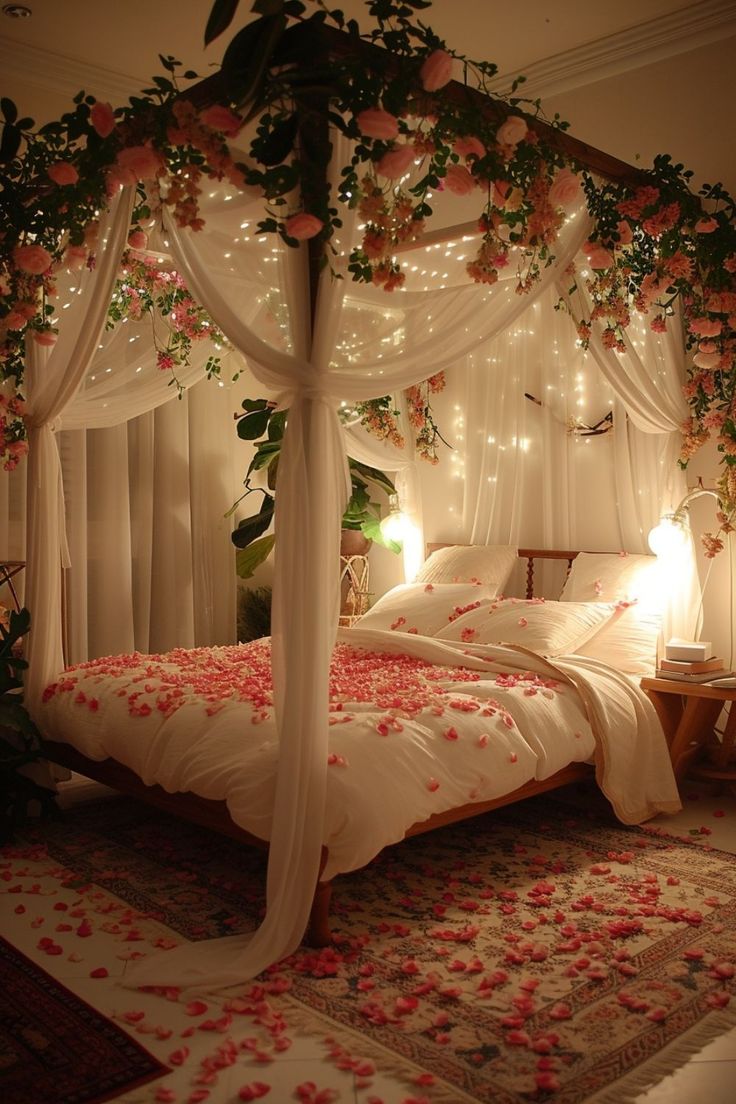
(705, 327)
(303, 226)
(75, 258)
(469, 147)
(565, 188)
(46, 338)
(61, 172)
(395, 163)
(598, 256)
(102, 118)
(459, 181)
(143, 162)
(512, 131)
(223, 119)
(707, 361)
(138, 239)
(706, 225)
(436, 71)
(374, 122)
(32, 258)
(14, 320)
(625, 233)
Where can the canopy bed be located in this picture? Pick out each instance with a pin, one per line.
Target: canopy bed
(315, 341)
(431, 721)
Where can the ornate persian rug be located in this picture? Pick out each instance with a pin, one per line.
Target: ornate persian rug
(54, 1048)
(536, 953)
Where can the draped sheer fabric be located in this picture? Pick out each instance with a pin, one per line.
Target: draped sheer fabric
(360, 344)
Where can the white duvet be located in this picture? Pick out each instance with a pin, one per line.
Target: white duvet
(417, 726)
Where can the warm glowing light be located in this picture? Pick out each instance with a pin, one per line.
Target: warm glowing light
(669, 536)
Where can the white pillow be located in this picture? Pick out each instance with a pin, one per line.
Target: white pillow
(490, 564)
(629, 643)
(602, 577)
(424, 608)
(547, 628)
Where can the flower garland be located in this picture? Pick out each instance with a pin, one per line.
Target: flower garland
(144, 288)
(655, 244)
(381, 420)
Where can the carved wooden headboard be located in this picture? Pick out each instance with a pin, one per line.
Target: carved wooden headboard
(530, 555)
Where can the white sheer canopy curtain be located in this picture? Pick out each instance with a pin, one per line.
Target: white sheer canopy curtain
(647, 380)
(53, 378)
(362, 345)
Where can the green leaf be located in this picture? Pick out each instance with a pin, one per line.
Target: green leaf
(251, 426)
(10, 143)
(247, 58)
(254, 404)
(371, 475)
(248, 559)
(253, 527)
(268, 7)
(221, 16)
(9, 110)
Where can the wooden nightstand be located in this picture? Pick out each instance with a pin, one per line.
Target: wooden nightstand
(688, 712)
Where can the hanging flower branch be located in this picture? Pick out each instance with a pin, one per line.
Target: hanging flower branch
(380, 418)
(411, 131)
(144, 288)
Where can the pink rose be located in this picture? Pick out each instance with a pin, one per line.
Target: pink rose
(32, 258)
(706, 361)
(625, 233)
(61, 172)
(47, 338)
(598, 257)
(395, 163)
(302, 226)
(75, 258)
(512, 131)
(565, 188)
(14, 320)
(436, 71)
(138, 240)
(223, 119)
(469, 147)
(26, 310)
(143, 162)
(459, 181)
(102, 118)
(705, 327)
(706, 225)
(374, 122)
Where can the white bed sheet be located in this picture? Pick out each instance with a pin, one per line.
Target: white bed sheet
(450, 725)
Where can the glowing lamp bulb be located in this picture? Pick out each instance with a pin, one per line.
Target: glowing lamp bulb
(669, 536)
(396, 524)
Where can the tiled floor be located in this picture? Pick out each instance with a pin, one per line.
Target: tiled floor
(709, 1075)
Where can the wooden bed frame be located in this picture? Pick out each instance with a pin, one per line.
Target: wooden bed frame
(214, 814)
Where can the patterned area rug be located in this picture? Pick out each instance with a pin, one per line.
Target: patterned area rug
(538, 952)
(54, 1048)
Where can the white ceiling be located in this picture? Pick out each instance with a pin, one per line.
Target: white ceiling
(576, 53)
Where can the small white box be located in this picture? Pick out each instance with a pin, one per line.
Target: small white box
(690, 650)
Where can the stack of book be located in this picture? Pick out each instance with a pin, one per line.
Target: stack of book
(698, 670)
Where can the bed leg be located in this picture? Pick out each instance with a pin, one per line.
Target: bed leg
(318, 932)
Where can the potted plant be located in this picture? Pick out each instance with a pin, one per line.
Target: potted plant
(262, 424)
(20, 743)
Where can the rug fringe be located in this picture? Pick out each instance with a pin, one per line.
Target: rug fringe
(667, 1061)
(387, 1061)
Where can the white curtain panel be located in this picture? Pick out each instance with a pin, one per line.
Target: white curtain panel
(53, 378)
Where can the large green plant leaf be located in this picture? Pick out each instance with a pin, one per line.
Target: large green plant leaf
(248, 559)
(371, 475)
(221, 16)
(251, 528)
(251, 426)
